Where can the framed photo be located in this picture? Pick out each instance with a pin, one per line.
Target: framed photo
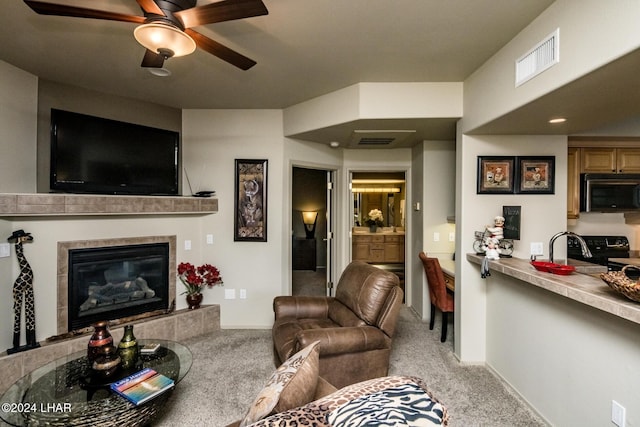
(536, 175)
(495, 174)
(250, 201)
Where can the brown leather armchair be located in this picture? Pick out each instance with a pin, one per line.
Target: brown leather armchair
(355, 327)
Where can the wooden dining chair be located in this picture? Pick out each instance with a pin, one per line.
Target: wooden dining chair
(440, 297)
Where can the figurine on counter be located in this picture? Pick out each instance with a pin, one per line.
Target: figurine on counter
(492, 251)
(497, 230)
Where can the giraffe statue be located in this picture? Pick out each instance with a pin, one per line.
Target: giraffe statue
(23, 290)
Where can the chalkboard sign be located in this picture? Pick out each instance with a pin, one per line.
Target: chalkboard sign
(511, 216)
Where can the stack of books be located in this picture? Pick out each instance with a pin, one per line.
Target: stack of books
(142, 386)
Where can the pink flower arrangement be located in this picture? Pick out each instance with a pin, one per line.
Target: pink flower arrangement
(196, 279)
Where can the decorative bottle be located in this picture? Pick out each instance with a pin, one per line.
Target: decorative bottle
(101, 338)
(128, 348)
(107, 362)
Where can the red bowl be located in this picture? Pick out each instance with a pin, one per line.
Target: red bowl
(563, 270)
(544, 265)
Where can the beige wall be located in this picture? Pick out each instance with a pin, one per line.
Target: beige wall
(542, 216)
(18, 103)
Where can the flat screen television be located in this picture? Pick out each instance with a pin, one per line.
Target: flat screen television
(102, 156)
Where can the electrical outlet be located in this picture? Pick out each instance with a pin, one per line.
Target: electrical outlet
(617, 414)
(187, 245)
(243, 294)
(229, 294)
(452, 236)
(537, 248)
(209, 239)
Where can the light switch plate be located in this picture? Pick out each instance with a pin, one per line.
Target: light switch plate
(5, 250)
(229, 294)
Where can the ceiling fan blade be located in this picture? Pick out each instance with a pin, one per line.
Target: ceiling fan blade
(152, 60)
(43, 8)
(221, 51)
(226, 10)
(149, 6)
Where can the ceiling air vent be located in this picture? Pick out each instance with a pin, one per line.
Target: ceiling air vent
(375, 141)
(542, 56)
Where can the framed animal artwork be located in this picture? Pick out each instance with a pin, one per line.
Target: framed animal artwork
(250, 201)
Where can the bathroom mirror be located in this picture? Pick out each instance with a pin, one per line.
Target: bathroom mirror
(379, 190)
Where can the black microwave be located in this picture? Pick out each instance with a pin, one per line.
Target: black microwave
(609, 192)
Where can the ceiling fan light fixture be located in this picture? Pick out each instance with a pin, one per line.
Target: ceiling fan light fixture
(157, 36)
(160, 72)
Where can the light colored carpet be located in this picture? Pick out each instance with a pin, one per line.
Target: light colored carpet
(231, 366)
(309, 283)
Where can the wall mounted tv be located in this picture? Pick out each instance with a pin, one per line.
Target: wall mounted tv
(101, 156)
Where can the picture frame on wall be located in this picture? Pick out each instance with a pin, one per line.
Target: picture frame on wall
(495, 174)
(250, 221)
(536, 175)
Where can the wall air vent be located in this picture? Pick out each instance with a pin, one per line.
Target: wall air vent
(375, 141)
(542, 56)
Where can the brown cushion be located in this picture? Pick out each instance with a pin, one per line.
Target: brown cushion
(293, 384)
(364, 289)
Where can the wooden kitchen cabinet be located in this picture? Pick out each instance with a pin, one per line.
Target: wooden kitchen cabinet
(610, 160)
(378, 248)
(573, 183)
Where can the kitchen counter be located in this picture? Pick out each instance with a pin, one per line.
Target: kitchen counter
(587, 267)
(584, 288)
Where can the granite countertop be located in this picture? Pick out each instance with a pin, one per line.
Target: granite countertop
(584, 288)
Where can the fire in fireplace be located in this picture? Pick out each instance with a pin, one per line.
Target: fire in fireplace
(115, 282)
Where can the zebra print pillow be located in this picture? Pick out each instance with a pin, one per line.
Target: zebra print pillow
(406, 405)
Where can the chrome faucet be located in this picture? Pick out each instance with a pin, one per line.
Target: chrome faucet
(583, 245)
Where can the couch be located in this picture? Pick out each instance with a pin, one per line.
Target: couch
(296, 395)
(354, 328)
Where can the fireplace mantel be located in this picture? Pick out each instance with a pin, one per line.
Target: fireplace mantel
(19, 205)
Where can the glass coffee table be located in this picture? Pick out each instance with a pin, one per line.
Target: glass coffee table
(63, 392)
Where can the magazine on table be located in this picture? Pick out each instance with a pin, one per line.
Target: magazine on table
(142, 386)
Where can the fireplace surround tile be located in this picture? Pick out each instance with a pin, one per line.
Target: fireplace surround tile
(63, 270)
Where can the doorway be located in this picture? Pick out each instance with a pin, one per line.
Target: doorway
(312, 232)
(378, 220)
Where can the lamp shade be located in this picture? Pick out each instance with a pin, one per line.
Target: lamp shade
(155, 36)
(309, 218)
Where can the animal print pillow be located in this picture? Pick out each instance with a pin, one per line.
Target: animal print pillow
(293, 384)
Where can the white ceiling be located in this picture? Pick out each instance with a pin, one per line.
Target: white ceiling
(303, 49)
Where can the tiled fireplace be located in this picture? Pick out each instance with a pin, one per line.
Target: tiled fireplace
(156, 324)
(119, 280)
(179, 325)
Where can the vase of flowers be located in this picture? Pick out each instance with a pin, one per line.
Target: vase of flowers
(195, 279)
(374, 220)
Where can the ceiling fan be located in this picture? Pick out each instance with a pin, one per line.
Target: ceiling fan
(165, 30)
